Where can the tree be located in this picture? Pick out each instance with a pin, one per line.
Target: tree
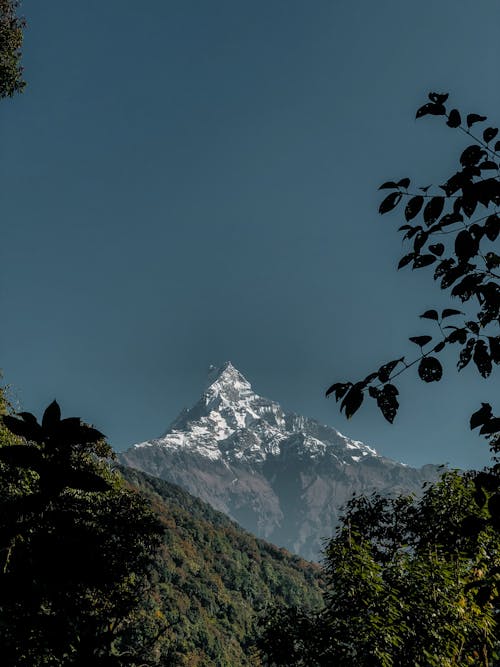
(399, 594)
(11, 39)
(76, 547)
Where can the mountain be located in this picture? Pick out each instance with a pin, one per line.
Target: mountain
(214, 579)
(280, 475)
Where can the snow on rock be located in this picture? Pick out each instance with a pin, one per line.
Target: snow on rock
(231, 422)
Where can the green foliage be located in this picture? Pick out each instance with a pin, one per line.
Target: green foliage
(75, 548)
(215, 579)
(11, 39)
(402, 587)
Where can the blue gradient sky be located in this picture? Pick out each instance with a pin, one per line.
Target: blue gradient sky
(185, 183)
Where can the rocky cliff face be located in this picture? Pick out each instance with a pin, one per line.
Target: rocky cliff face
(281, 476)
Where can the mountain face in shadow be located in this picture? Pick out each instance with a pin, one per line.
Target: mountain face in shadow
(281, 476)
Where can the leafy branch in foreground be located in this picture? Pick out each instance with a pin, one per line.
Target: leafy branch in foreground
(452, 227)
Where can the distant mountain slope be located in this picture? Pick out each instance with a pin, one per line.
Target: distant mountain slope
(214, 578)
(280, 475)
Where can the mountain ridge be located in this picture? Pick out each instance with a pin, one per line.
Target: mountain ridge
(281, 475)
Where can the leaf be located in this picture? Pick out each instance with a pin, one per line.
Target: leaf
(387, 402)
(472, 155)
(352, 401)
(433, 209)
(423, 260)
(494, 342)
(466, 354)
(438, 98)
(390, 202)
(388, 185)
(406, 260)
(339, 388)
(482, 359)
(454, 119)
(489, 134)
(481, 416)
(430, 315)
(437, 249)
(490, 427)
(488, 164)
(440, 346)
(420, 241)
(451, 219)
(51, 416)
(448, 312)
(404, 183)
(413, 207)
(492, 227)
(431, 108)
(465, 245)
(23, 428)
(384, 372)
(474, 118)
(492, 260)
(430, 369)
(421, 340)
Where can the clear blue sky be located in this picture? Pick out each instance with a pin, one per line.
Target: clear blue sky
(185, 183)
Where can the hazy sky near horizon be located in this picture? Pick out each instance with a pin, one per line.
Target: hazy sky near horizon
(186, 182)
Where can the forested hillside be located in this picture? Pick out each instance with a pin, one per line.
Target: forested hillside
(214, 579)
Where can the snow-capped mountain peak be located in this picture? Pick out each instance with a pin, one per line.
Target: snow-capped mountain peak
(231, 422)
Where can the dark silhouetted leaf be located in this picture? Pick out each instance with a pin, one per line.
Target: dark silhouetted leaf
(437, 249)
(430, 369)
(467, 287)
(369, 378)
(451, 219)
(406, 260)
(465, 245)
(438, 98)
(494, 342)
(51, 416)
(384, 372)
(473, 326)
(404, 183)
(492, 260)
(490, 427)
(440, 346)
(482, 359)
(430, 315)
(420, 241)
(497, 146)
(466, 354)
(339, 389)
(373, 392)
(390, 202)
(454, 119)
(431, 108)
(488, 164)
(492, 227)
(352, 401)
(489, 134)
(23, 428)
(448, 312)
(433, 209)
(423, 260)
(472, 155)
(420, 340)
(458, 335)
(388, 185)
(474, 118)
(413, 207)
(387, 402)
